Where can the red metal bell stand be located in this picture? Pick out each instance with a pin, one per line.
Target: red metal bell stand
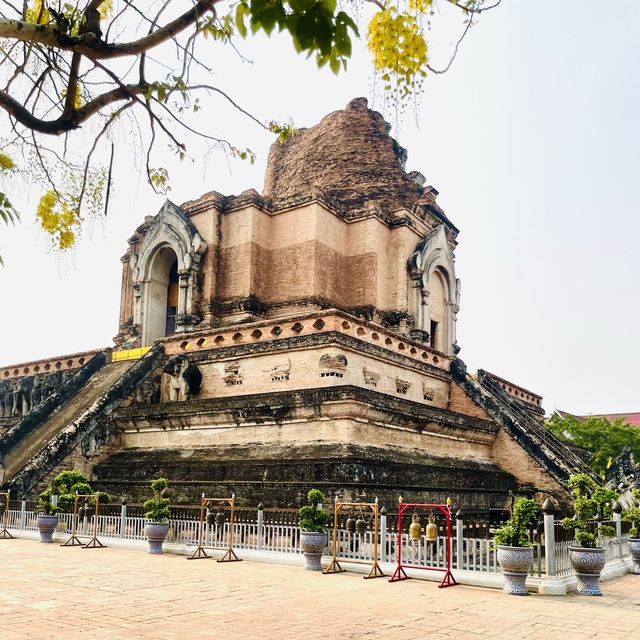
(400, 574)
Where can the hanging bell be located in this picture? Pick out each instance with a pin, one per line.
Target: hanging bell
(432, 529)
(211, 518)
(415, 530)
(361, 525)
(350, 524)
(220, 518)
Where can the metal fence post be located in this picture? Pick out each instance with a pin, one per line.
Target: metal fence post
(383, 534)
(459, 560)
(23, 513)
(260, 526)
(549, 539)
(617, 519)
(123, 518)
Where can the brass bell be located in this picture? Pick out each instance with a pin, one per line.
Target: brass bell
(350, 524)
(220, 518)
(415, 530)
(361, 525)
(432, 529)
(211, 518)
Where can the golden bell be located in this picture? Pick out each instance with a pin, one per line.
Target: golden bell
(415, 530)
(350, 525)
(432, 529)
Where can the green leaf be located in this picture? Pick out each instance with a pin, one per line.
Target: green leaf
(242, 10)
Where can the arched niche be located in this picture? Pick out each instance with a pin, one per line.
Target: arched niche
(165, 268)
(435, 291)
(161, 301)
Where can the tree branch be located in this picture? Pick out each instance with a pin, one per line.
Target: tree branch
(88, 45)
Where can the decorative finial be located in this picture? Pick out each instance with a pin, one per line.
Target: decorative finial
(548, 508)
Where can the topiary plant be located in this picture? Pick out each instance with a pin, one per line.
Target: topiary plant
(156, 509)
(590, 501)
(66, 485)
(513, 533)
(44, 505)
(312, 516)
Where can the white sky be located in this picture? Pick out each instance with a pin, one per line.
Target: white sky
(532, 139)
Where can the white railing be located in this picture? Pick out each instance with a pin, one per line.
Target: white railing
(467, 553)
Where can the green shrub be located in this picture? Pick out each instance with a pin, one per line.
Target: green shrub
(513, 533)
(156, 509)
(66, 485)
(312, 517)
(44, 505)
(589, 502)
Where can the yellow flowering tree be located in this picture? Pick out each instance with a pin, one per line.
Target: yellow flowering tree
(86, 64)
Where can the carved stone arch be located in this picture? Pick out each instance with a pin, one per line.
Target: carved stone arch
(170, 229)
(433, 262)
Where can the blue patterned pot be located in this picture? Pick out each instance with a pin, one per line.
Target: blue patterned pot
(46, 526)
(313, 544)
(634, 547)
(515, 563)
(587, 564)
(156, 532)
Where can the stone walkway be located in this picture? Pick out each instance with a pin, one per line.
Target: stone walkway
(50, 592)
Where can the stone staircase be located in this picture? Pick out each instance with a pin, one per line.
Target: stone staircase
(34, 447)
(553, 455)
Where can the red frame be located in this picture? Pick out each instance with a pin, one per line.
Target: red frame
(399, 574)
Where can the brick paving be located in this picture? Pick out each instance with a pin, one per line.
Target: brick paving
(50, 592)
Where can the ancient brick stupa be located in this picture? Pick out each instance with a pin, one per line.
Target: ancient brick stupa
(303, 337)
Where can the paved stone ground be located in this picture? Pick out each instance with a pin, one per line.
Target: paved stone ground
(50, 592)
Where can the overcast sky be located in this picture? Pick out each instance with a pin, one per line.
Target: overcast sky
(533, 141)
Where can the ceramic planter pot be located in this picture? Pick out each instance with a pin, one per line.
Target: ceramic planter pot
(156, 532)
(634, 547)
(515, 563)
(587, 564)
(313, 544)
(46, 526)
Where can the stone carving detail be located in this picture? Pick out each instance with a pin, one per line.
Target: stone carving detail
(428, 393)
(371, 378)
(232, 375)
(332, 365)
(402, 386)
(182, 379)
(19, 395)
(280, 373)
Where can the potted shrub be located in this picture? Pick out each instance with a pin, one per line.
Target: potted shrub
(587, 558)
(65, 485)
(157, 514)
(514, 551)
(47, 519)
(313, 533)
(633, 515)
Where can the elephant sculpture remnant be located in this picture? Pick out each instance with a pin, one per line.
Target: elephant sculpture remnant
(182, 379)
(19, 395)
